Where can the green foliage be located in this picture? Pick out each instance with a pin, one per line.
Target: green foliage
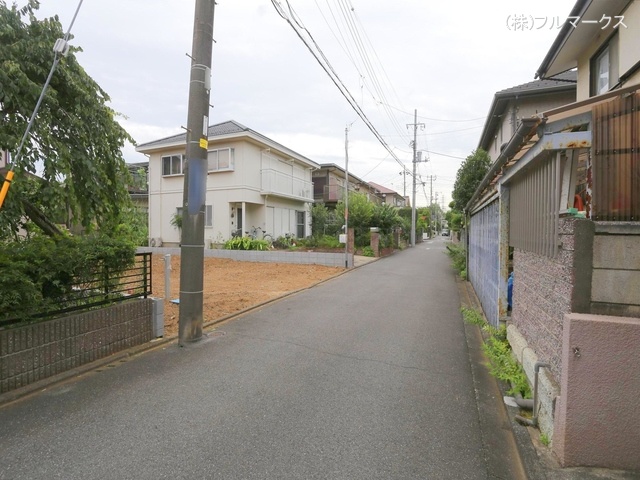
(42, 271)
(502, 363)
(455, 220)
(386, 218)
(176, 221)
(360, 216)
(325, 241)
(544, 439)
(469, 176)
(459, 257)
(246, 243)
(285, 242)
(131, 225)
(368, 252)
(75, 142)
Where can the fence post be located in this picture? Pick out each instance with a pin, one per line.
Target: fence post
(167, 276)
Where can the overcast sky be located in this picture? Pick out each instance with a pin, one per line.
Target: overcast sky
(444, 58)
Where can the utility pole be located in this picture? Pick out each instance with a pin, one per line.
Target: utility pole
(404, 175)
(431, 179)
(346, 196)
(415, 125)
(195, 176)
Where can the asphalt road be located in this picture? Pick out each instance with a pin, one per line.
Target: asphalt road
(365, 376)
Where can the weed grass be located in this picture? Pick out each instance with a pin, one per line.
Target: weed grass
(502, 363)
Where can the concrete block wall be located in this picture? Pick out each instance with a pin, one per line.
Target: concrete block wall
(40, 350)
(615, 288)
(272, 256)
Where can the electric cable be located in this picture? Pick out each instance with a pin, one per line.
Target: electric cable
(60, 48)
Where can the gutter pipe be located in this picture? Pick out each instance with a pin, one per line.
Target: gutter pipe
(533, 421)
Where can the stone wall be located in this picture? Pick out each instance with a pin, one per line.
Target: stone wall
(40, 350)
(542, 295)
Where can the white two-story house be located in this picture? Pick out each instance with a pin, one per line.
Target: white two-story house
(254, 185)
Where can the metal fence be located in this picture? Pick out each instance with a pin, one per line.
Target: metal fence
(101, 287)
(534, 208)
(484, 259)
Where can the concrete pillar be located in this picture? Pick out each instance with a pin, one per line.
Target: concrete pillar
(375, 241)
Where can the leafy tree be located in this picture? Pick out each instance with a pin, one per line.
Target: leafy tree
(360, 215)
(469, 176)
(386, 218)
(75, 143)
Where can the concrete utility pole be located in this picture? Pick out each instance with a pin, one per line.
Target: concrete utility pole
(415, 125)
(404, 178)
(346, 196)
(431, 179)
(195, 176)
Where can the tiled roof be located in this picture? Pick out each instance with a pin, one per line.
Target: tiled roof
(564, 80)
(225, 128)
(382, 189)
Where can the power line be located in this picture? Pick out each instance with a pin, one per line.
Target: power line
(323, 61)
(438, 119)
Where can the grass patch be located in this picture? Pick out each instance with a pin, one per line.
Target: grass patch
(502, 364)
(458, 255)
(544, 439)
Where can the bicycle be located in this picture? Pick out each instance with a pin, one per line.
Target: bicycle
(265, 236)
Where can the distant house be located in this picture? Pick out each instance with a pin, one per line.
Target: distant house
(389, 197)
(138, 188)
(561, 206)
(253, 183)
(523, 101)
(329, 183)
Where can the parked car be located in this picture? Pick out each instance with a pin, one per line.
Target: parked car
(445, 232)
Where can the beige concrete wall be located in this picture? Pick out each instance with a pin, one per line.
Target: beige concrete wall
(595, 414)
(615, 288)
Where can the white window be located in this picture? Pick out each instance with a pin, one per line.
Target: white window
(602, 72)
(172, 165)
(300, 220)
(604, 68)
(221, 159)
(208, 216)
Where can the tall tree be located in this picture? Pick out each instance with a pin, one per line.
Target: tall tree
(75, 143)
(469, 176)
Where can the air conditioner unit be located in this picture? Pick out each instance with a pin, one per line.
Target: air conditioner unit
(155, 242)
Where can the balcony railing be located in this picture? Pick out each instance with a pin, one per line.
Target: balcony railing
(278, 183)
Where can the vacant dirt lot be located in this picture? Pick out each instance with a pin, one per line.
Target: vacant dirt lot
(231, 286)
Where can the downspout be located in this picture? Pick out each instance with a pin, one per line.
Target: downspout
(533, 421)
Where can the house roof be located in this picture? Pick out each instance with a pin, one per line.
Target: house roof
(572, 40)
(384, 190)
(565, 82)
(228, 129)
(333, 166)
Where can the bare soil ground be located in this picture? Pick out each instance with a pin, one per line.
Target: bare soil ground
(231, 286)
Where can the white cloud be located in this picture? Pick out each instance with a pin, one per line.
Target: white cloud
(444, 59)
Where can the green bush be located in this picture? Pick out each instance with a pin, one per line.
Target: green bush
(285, 242)
(368, 252)
(459, 257)
(42, 271)
(246, 243)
